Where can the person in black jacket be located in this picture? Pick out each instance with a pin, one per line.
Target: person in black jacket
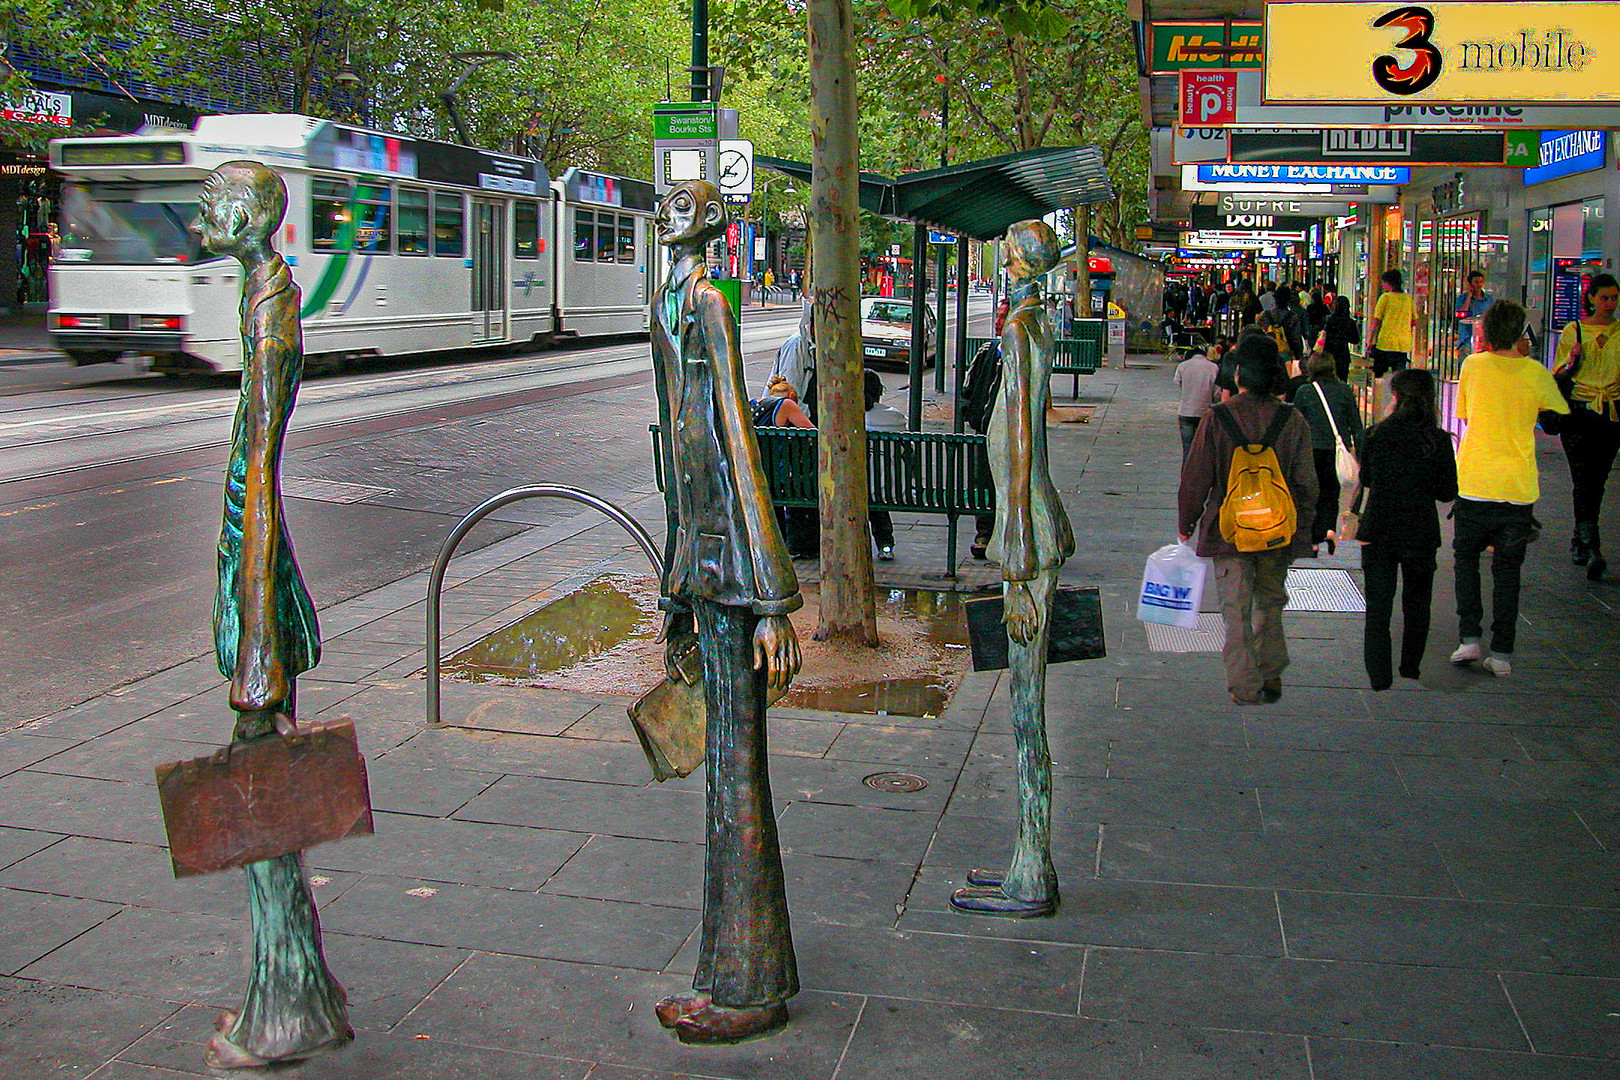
(1318, 393)
(1407, 465)
(1340, 332)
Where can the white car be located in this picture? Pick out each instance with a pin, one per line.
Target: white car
(886, 331)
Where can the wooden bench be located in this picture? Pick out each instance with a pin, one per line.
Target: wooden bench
(913, 472)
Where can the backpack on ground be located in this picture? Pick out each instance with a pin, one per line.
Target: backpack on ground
(1258, 512)
(979, 389)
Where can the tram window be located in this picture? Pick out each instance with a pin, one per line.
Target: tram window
(373, 226)
(604, 237)
(627, 239)
(413, 221)
(448, 225)
(329, 216)
(525, 231)
(584, 235)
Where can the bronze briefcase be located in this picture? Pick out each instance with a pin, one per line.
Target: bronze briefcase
(261, 799)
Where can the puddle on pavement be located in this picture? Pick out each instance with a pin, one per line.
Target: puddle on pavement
(600, 638)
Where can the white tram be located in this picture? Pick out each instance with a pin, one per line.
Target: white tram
(400, 245)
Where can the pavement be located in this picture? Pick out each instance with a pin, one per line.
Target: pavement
(1418, 883)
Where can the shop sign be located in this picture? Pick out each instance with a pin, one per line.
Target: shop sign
(1370, 145)
(1212, 217)
(1179, 46)
(1207, 97)
(13, 164)
(38, 107)
(1565, 153)
(1283, 206)
(1195, 145)
(1241, 238)
(1304, 174)
(1390, 53)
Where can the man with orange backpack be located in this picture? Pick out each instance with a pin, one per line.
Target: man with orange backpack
(1249, 470)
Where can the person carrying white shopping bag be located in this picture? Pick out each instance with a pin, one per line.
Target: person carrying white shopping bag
(1172, 587)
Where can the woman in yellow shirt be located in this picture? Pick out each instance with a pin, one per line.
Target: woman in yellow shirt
(1589, 350)
(1389, 332)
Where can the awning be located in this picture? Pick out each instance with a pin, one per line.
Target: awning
(980, 199)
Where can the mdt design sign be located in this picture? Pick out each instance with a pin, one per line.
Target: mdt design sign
(1445, 51)
(1370, 145)
(1179, 46)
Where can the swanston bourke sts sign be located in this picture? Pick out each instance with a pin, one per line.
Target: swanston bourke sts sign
(1390, 53)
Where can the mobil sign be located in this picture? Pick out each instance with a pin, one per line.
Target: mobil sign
(1208, 97)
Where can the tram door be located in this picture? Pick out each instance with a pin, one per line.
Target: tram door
(488, 271)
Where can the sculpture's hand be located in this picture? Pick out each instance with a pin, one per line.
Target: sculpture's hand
(776, 650)
(1020, 615)
(680, 642)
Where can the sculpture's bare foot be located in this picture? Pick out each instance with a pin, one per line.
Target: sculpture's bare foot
(678, 1006)
(990, 900)
(224, 1053)
(720, 1024)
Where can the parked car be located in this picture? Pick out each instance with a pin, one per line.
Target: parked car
(886, 331)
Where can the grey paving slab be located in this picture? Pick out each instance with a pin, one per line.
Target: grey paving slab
(1340, 863)
(1036, 976)
(972, 1042)
(963, 840)
(40, 924)
(1453, 933)
(855, 832)
(1481, 820)
(127, 754)
(1342, 1059)
(1194, 918)
(18, 844)
(446, 850)
(1072, 754)
(19, 750)
(141, 875)
(607, 723)
(607, 1017)
(416, 787)
(992, 792)
(652, 813)
(176, 1048)
(62, 1031)
(1264, 767)
(846, 892)
(526, 755)
(108, 809)
(1568, 1014)
(1200, 697)
(1572, 875)
(154, 954)
(842, 783)
(521, 924)
(205, 717)
(103, 714)
(662, 872)
(1303, 997)
(1415, 737)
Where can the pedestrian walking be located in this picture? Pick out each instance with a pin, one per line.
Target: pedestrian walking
(1468, 307)
(1389, 333)
(1316, 314)
(881, 417)
(1499, 394)
(1195, 375)
(1589, 367)
(1335, 419)
(1407, 466)
(1339, 332)
(1252, 584)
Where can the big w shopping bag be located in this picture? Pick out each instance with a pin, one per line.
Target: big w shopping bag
(1172, 587)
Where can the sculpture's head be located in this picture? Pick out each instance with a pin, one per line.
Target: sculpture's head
(241, 205)
(691, 215)
(1030, 250)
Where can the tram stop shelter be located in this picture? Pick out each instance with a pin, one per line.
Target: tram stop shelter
(977, 200)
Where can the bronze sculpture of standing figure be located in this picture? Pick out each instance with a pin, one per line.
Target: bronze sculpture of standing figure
(1032, 539)
(265, 632)
(727, 590)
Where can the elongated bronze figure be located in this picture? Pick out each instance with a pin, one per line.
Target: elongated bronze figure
(265, 633)
(727, 590)
(1032, 539)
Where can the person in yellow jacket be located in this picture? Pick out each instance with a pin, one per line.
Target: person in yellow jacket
(1389, 333)
(1589, 354)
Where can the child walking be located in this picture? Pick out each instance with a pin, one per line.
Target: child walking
(1407, 465)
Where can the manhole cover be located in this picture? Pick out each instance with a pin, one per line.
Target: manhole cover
(895, 781)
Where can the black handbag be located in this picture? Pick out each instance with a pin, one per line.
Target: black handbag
(1565, 376)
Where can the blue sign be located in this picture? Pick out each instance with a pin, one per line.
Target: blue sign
(940, 237)
(1304, 174)
(1565, 153)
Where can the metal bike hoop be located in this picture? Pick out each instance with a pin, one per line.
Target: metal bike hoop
(483, 510)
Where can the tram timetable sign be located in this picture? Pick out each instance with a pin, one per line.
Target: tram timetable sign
(1385, 52)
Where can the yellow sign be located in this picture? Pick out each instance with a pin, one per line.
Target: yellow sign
(1394, 54)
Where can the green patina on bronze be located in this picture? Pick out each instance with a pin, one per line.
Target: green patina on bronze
(265, 633)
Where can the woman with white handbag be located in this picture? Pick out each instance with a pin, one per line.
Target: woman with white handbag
(1330, 408)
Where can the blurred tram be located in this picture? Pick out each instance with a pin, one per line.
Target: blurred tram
(400, 245)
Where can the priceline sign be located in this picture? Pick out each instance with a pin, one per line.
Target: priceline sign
(1565, 153)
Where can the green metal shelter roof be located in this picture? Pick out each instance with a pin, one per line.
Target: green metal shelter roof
(980, 199)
